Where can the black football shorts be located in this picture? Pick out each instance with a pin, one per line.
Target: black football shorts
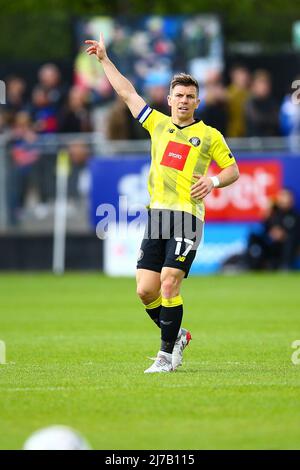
(171, 240)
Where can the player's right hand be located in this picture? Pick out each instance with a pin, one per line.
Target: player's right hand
(97, 48)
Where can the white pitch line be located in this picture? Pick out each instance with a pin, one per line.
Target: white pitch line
(98, 387)
(162, 385)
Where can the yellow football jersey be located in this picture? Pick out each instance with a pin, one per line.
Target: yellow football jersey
(177, 153)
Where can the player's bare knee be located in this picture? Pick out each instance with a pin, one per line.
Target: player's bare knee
(146, 295)
(170, 287)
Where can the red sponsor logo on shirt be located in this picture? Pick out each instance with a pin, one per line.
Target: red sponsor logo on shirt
(175, 155)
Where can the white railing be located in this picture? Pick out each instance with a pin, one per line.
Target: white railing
(100, 147)
(105, 147)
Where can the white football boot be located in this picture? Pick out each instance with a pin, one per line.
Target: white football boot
(162, 363)
(181, 343)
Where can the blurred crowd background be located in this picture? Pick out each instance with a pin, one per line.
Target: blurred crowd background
(237, 98)
(52, 104)
(242, 106)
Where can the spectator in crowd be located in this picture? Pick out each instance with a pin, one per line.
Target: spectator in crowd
(23, 137)
(92, 79)
(75, 116)
(159, 42)
(119, 48)
(237, 95)
(121, 126)
(289, 118)
(3, 122)
(15, 100)
(213, 109)
(275, 247)
(24, 151)
(152, 52)
(43, 112)
(15, 93)
(49, 78)
(261, 109)
(156, 88)
(118, 127)
(79, 179)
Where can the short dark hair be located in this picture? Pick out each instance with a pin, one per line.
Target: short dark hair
(185, 80)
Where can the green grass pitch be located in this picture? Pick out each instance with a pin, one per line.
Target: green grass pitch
(77, 347)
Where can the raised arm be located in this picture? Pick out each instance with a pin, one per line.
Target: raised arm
(121, 85)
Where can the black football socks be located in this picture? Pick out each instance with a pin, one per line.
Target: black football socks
(170, 320)
(154, 309)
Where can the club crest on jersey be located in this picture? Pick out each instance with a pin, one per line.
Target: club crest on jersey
(171, 131)
(195, 141)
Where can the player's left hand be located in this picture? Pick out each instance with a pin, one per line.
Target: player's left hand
(202, 187)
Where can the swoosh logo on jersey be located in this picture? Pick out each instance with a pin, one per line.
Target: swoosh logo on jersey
(175, 155)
